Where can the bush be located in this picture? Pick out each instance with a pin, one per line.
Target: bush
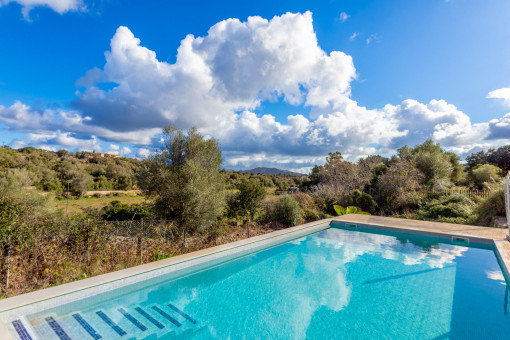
(324, 202)
(305, 201)
(363, 201)
(339, 210)
(287, 211)
(485, 173)
(311, 215)
(493, 206)
(456, 208)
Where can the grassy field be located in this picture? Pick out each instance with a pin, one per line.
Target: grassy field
(77, 205)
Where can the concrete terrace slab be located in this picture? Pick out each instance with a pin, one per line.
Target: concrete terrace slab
(444, 229)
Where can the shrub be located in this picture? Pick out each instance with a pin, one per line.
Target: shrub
(339, 210)
(305, 201)
(363, 201)
(310, 215)
(485, 173)
(287, 211)
(324, 202)
(458, 208)
(493, 206)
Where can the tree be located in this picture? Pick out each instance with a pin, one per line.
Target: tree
(316, 173)
(485, 173)
(476, 158)
(340, 177)
(439, 168)
(250, 197)
(499, 157)
(184, 180)
(398, 187)
(246, 201)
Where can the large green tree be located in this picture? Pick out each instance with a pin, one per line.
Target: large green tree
(246, 200)
(184, 180)
(440, 168)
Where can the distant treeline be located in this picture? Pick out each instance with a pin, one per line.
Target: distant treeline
(81, 171)
(84, 171)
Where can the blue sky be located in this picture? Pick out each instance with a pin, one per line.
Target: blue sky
(303, 79)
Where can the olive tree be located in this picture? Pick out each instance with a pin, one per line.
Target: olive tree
(246, 201)
(398, 188)
(183, 179)
(440, 168)
(485, 173)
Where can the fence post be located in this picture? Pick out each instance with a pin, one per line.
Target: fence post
(139, 248)
(7, 260)
(506, 186)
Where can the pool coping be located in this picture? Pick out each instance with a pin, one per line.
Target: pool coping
(115, 279)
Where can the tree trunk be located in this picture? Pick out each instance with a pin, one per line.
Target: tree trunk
(247, 224)
(7, 260)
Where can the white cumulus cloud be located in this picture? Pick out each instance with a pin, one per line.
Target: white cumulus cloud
(503, 93)
(219, 81)
(59, 6)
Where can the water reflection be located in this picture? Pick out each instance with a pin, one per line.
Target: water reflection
(311, 276)
(333, 281)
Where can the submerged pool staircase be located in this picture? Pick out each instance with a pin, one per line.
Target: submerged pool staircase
(133, 322)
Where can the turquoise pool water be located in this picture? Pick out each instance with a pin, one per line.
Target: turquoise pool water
(336, 283)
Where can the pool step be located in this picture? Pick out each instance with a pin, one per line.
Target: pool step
(130, 322)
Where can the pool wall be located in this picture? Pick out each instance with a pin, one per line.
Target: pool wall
(19, 306)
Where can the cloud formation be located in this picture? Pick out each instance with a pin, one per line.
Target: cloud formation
(59, 6)
(343, 17)
(220, 80)
(503, 93)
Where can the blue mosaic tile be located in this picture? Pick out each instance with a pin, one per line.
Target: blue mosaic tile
(150, 318)
(110, 323)
(86, 326)
(21, 330)
(133, 320)
(186, 316)
(57, 329)
(166, 316)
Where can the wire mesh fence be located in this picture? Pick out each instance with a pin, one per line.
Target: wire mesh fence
(46, 252)
(470, 193)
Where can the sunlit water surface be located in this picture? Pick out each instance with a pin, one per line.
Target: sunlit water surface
(333, 284)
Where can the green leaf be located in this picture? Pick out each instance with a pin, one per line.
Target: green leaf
(339, 210)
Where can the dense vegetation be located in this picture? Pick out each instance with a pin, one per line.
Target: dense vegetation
(82, 171)
(188, 202)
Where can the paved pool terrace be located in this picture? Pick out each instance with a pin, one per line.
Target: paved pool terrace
(13, 310)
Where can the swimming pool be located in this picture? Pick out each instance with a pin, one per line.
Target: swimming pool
(333, 283)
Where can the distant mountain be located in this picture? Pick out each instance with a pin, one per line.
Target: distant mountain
(272, 171)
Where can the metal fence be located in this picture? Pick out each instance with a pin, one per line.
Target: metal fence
(41, 253)
(470, 193)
